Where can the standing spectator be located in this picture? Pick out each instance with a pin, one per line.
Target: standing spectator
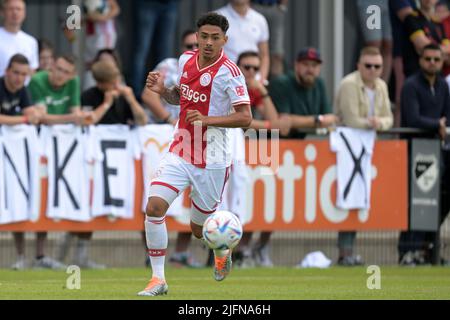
(100, 29)
(113, 103)
(58, 92)
(399, 10)
(378, 37)
(46, 55)
(301, 94)
(426, 105)
(16, 108)
(161, 111)
(275, 13)
(12, 39)
(81, 249)
(443, 15)
(156, 21)
(362, 102)
(248, 31)
(422, 29)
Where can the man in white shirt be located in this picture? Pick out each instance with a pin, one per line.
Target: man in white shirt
(249, 31)
(12, 39)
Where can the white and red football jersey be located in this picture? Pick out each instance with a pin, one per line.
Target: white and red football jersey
(214, 91)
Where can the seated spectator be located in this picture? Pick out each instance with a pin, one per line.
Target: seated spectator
(362, 102)
(113, 102)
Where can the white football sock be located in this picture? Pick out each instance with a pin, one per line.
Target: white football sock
(157, 241)
(221, 253)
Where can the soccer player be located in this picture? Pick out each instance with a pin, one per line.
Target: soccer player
(213, 97)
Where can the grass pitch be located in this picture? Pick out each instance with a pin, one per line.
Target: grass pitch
(242, 284)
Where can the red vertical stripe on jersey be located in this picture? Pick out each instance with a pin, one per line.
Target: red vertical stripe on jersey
(195, 94)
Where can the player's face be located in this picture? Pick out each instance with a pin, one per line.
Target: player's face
(431, 62)
(16, 75)
(307, 71)
(211, 40)
(61, 72)
(250, 67)
(370, 67)
(14, 12)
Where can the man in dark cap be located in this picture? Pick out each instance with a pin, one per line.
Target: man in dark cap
(301, 94)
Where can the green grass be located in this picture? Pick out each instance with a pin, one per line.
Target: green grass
(272, 284)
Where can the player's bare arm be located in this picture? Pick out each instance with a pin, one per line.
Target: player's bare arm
(242, 118)
(155, 82)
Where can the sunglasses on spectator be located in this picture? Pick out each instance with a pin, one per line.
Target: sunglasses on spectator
(434, 59)
(248, 67)
(191, 46)
(372, 66)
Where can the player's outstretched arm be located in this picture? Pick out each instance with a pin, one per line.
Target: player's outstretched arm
(242, 118)
(155, 82)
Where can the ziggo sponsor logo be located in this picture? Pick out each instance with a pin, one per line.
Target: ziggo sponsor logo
(192, 95)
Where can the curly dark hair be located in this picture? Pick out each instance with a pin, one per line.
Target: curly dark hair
(214, 19)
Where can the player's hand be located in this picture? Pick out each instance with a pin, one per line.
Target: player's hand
(155, 82)
(195, 117)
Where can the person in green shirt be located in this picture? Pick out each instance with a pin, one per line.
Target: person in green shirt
(301, 94)
(58, 92)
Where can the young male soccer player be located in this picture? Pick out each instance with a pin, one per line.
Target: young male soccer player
(213, 97)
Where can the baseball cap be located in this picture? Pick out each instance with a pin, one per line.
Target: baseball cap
(309, 53)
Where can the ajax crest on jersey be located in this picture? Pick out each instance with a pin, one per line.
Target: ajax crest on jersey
(205, 79)
(222, 230)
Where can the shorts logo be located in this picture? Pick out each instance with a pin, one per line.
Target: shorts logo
(240, 91)
(205, 79)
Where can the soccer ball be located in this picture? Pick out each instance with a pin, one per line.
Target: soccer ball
(222, 230)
